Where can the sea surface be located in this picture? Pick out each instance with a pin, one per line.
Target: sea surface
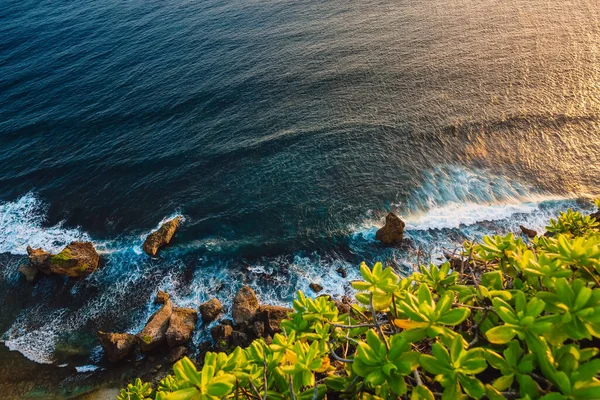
(283, 132)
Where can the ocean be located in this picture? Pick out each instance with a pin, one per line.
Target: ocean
(283, 132)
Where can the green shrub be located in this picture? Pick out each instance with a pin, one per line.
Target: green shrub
(514, 320)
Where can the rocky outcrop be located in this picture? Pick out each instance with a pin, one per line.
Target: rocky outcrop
(181, 325)
(210, 310)
(245, 305)
(530, 233)
(315, 287)
(221, 334)
(154, 333)
(393, 230)
(272, 316)
(161, 237)
(596, 215)
(162, 297)
(76, 260)
(116, 346)
(39, 259)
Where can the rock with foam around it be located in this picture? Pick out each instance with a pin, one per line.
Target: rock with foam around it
(211, 310)
(245, 305)
(393, 230)
(76, 260)
(154, 333)
(39, 259)
(161, 237)
(272, 316)
(181, 325)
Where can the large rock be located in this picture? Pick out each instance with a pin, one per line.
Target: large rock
(272, 316)
(154, 333)
(245, 305)
(39, 259)
(161, 237)
(181, 325)
(76, 260)
(211, 310)
(116, 346)
(221, 334)
(393, 230)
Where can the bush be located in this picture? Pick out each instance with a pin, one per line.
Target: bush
(506, 320)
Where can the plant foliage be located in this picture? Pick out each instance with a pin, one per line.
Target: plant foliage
(508, 319)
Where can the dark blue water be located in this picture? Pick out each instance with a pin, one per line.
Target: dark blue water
(283, 131)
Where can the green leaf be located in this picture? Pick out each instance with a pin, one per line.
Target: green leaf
(454, 317)
(501, 334)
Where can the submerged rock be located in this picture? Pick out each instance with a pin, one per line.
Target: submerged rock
(29, 271)
(76, 260)
(393, 230)
(530, 233)
(211, 310)
(245, 305)
(154, 333)
(181, 325)
(116, 346)
(161, 237)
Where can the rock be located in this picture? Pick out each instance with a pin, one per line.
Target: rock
(596, 215)
(272, 316)
(342, 272)
(245, 305)
(29, 272)
(530, 233)
(40, 259)
(181, 325)
(154, 333)
(176, 354)
(239, 339)
(393, 230)
(116, 346)
(162, 297)
(161, 237)
(211, 310)
(76, 260)
(221, 334)
(342, 307)
(315, 287)
(258, 328)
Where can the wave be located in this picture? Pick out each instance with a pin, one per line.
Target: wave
(22, 224)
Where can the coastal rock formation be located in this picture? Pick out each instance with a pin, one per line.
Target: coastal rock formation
(181, 325)
(272, 316)
(530, 233)
(116, 346)
(596, 215)
(221, 334)
(161, 237)
(393, 230)
(315, 287)
(154, 333)
(245, 305)
(76, 260)
(161, 297)
(210, 310)
(39, 259)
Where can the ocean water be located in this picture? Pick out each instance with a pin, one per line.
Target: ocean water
(283, 132)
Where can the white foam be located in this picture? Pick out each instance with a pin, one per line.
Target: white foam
(86, 368)
(22, 225)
